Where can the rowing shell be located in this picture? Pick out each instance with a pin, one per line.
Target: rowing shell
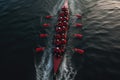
(57, 61)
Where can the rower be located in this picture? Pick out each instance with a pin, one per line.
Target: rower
(63, 35)
(65, 23)
(63, 41)
(57, 42)
(61, 14)
(58, 29)
(57, 36)
(66, 13)
(60, 24)
(66, 18)
(64, 29)
(62, 49)
(60, 19)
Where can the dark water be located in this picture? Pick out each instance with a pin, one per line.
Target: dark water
(21, 23)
